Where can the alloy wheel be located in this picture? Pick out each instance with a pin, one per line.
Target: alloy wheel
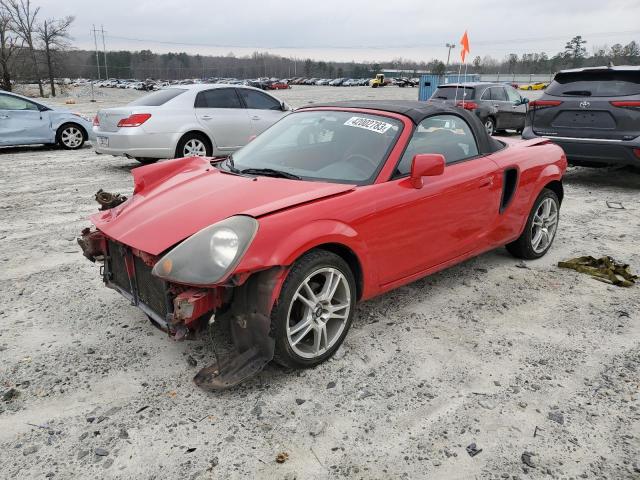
(544, 225)
(318, 312)
(71, 137)
(488, 125)
(194, 148)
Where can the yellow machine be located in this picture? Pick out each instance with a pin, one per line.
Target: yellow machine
(378, 81)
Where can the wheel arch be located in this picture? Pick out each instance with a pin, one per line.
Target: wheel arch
(349, 256)
(194, 131)
(556, 187)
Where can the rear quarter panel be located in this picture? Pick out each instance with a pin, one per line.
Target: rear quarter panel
(538, 163)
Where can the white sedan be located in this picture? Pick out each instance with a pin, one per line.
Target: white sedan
(187, 120)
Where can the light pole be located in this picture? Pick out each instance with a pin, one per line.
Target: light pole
(449, 46)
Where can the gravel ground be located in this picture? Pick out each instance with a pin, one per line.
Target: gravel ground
(538, 366)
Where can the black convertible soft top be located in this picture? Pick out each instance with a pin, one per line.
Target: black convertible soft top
(418, 111)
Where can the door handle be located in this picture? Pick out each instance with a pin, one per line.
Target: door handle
(4, 116)
(486, 183)
(255, 117)
(496, 105)
(206, 117)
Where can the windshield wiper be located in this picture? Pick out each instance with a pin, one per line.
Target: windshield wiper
(229, 165)
(270, 172)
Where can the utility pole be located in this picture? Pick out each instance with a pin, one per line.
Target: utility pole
(104, 50)
(95, 43)
(449, 46)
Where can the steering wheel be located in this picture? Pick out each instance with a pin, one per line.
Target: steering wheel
(355, 158)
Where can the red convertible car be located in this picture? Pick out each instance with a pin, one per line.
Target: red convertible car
(330, 206)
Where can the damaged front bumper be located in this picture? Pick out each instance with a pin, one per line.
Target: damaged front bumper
(182, 311)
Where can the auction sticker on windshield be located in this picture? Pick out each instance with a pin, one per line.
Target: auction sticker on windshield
(368, 124)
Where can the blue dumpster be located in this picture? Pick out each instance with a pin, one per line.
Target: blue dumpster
(429, 83)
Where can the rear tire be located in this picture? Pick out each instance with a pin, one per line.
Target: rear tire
(540, 230)
(194, 145)
(490, 126)
(314, 310)
(71, 136)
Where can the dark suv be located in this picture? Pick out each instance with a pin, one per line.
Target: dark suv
(592, 113)
(498, 106)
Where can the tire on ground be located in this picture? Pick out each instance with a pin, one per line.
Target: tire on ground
(522, 247)
(304, 266)
(193, 136)
(67, 127)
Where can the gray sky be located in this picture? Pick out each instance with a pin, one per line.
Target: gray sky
(359, 30)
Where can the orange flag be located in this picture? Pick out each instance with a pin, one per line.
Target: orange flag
(464, 42)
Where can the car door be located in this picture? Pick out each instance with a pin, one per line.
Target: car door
(264, 110)
(450, 216)
(23, 122)
(501, 103)
(518, 109)
(221, 114)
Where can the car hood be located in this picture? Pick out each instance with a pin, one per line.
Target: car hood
(174, 199)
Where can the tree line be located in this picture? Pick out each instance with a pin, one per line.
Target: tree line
(574, 55)
(29, 43)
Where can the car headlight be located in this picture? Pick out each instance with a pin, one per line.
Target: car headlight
(207, 256)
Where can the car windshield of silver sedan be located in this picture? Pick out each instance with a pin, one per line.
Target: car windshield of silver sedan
(332, 146)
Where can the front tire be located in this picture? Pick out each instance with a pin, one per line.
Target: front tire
(70, 136)
(194, 145)
(314, 310)
(540, 230)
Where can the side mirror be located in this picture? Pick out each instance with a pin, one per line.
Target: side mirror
(426, 165)
(284, 107)
(524, 101)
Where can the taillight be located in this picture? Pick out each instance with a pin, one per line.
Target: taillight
(636, 152)
(134, 120)
(96, 121)
(539, 104)
(467, 105)
(626, 103)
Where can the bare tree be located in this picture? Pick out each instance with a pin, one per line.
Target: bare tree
(8, 45)
(23, 18)
(54, 35)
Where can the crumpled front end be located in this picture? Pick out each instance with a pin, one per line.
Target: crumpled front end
(183, 311)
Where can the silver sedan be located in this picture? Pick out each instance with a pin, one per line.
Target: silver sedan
(187, 120)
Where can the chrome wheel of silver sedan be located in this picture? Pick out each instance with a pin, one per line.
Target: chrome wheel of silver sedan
(194, 147)
(71, 137)
(318, 312)
(544, 225)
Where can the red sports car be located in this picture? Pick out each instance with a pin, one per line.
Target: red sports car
(330, 206)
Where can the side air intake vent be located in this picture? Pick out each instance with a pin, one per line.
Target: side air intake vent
(509, 185)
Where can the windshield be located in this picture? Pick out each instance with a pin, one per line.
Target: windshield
(451, 93)
(608, 83)
(341, 147)
(158, 98)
